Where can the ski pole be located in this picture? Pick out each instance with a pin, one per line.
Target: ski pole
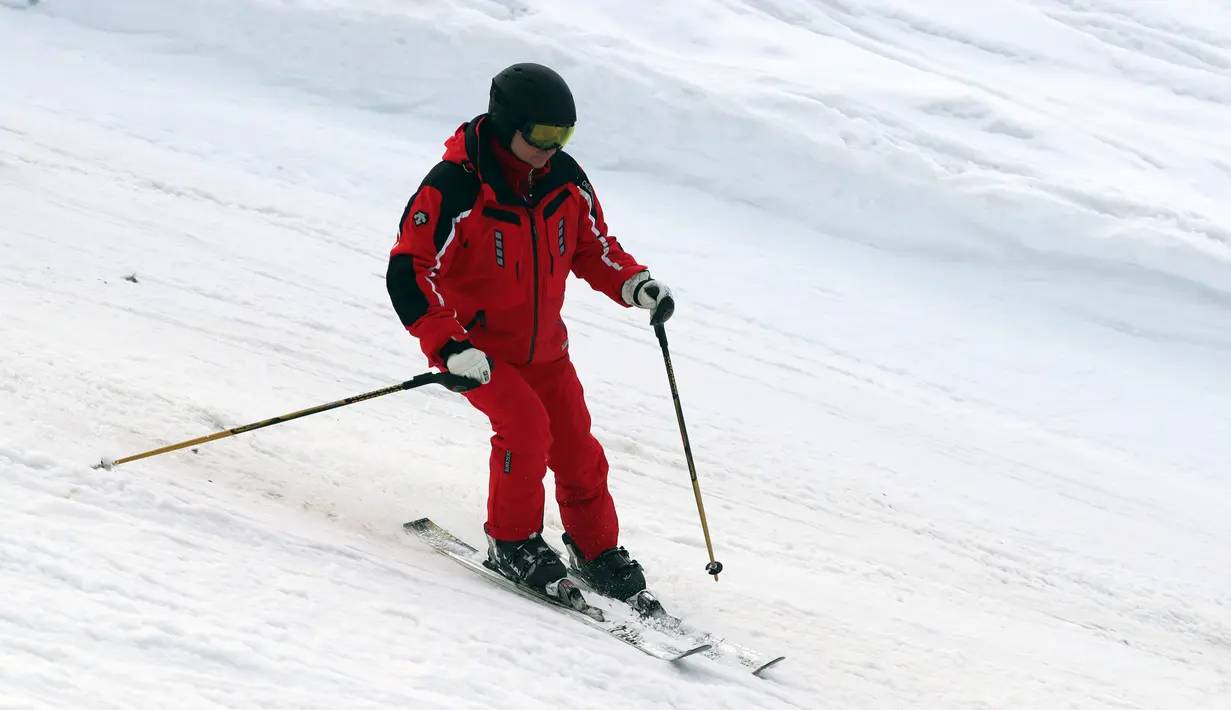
(456, 383)
(660, 315)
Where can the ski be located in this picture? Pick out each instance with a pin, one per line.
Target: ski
(568, 598)
(649, 611)
(657, 617)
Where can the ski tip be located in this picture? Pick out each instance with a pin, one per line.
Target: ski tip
(420, 524)
(758, 672)
(694, 651)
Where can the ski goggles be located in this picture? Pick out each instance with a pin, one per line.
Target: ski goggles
(547, 137)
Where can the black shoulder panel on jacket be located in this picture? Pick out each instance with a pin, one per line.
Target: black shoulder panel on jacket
(458, 188)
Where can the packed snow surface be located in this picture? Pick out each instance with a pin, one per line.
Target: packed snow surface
(953, 342)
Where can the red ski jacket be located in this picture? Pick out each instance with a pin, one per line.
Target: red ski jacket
(477, 263)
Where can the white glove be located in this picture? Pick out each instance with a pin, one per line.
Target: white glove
(472, 363)
(642, 291)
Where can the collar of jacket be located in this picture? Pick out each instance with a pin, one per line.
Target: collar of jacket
(519, 175)
(473, 146)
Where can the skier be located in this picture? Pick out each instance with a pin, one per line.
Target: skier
(478, 277)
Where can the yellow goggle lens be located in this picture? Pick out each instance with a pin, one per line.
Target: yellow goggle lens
(545, 137)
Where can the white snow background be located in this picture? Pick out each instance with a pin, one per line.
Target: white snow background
(953, 339)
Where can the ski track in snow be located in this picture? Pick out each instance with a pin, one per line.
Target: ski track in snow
(952, 345)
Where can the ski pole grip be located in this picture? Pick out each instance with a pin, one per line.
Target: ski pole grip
(664, 310)
(453, 382)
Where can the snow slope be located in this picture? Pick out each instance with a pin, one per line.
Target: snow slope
(952, 344)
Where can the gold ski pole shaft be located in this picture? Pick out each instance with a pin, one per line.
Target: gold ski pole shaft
(661, 314)
(453, 382)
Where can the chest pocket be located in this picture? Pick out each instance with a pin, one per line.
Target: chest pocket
(559, 238)
(496, 255)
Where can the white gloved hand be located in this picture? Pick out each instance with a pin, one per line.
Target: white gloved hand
(472, 363)
(643, 291)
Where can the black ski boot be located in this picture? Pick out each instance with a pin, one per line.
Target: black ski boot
(611, 573)
(531, 562)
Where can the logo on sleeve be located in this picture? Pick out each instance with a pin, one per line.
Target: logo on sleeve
(420, 218)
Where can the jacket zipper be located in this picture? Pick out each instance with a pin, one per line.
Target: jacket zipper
(534, 250)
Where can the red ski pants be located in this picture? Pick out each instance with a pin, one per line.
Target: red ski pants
(539, 418)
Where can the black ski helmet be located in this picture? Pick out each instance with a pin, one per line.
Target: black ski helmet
(529, 93)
